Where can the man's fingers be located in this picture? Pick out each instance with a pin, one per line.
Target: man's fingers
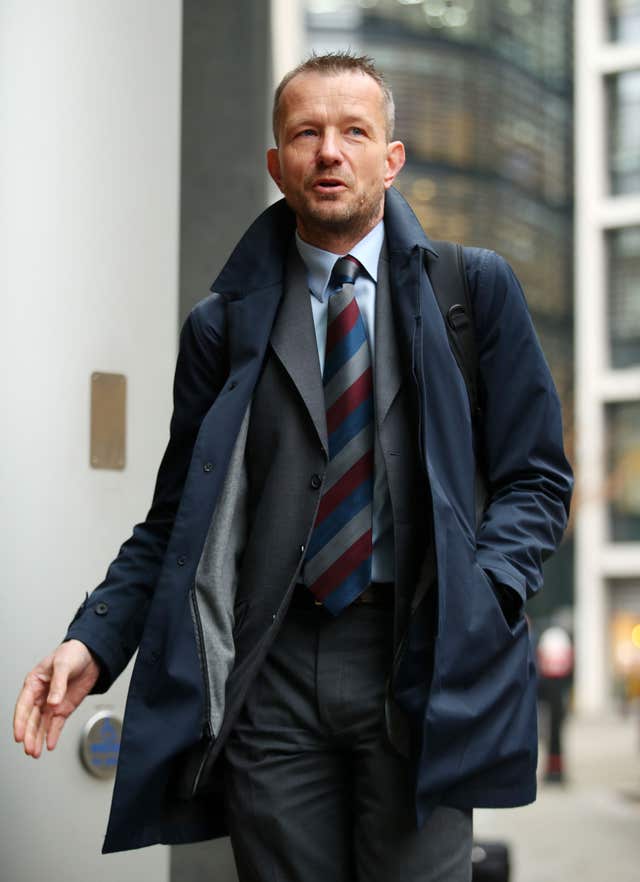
(21, 715)
(58, 687)
(34, 691)
(40, 733)
(54, 730)
(31, 731)
(51, 691)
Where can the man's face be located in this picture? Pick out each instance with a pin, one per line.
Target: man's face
(333, 162)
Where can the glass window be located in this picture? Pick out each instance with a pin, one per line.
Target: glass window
(477, 211)
(467, 112)
(624, 21)
(623, 264)
(623, 483)
(624, 630)
(624, 132)
(533, 34)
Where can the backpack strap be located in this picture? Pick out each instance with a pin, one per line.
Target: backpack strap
(451, 287)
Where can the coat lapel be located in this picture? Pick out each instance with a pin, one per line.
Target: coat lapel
(293, 339)
(249, 322)
(387, 372)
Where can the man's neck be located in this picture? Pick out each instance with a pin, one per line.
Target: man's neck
(334, 241)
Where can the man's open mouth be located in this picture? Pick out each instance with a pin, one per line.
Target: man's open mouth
(328, 184)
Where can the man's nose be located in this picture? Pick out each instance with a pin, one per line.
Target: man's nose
(329, 149)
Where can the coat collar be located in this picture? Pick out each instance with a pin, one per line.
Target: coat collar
(402, 228)
(253, 280)
(258, 260)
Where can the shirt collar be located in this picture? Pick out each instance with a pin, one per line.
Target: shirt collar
(320, 263)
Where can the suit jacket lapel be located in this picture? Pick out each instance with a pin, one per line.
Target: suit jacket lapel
(293, 339)
(387, 373)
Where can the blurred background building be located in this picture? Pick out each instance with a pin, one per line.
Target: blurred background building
(607, 302)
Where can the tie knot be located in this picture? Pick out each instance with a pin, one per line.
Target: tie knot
(345, 271)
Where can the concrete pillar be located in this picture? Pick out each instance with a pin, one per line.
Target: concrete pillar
(89, 195)
(591, 357)
(226, 90)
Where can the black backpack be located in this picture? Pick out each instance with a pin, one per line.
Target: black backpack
(451, 287)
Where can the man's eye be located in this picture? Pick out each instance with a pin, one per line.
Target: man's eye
(356, 130)
(307, 133)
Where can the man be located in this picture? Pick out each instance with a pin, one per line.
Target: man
(324, 634)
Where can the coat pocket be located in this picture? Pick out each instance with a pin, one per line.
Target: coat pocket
(477, 637)
(510, 624)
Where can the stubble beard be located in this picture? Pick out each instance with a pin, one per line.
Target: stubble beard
(353, 219)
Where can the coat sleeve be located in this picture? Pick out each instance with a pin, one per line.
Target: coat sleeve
(529, 479)
(111, 618)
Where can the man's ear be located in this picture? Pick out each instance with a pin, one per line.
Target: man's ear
(394, 162)
(273, 165)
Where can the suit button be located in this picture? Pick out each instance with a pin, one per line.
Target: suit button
(102, 609)
(182, 560)
(207, 467)
(232, 385)
(316, 481)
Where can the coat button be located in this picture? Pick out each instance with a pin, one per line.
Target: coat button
(207, 467)
(316, 481)
(154, 655)
(182, 560)
(232, 385)
(102, 609)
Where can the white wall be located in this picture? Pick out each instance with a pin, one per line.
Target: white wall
(89, 171)
(598, 559)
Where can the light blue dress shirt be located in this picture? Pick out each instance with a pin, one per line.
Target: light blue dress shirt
(319, 264)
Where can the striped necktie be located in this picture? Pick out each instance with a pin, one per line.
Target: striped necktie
(338, 560)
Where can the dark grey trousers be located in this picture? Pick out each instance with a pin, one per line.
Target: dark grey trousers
(313, 792)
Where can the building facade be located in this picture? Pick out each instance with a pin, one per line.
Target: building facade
(607, 272)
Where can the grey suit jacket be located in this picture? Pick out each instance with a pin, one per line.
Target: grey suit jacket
(269, 493)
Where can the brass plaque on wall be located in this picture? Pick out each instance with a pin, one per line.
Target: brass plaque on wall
(108, 420)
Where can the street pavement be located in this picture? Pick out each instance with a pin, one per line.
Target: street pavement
(587, 829)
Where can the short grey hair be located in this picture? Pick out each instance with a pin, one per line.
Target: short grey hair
(330, 64)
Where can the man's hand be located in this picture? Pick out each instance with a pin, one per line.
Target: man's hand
(51, 691)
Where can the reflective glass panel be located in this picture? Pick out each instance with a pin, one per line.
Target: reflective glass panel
(535, 35)
(624, 132)
(623, 253)
(624, 21)
(623, 481)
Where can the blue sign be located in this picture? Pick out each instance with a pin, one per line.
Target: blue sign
(101, 744)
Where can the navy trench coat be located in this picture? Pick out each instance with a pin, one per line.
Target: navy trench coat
(476, 715)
